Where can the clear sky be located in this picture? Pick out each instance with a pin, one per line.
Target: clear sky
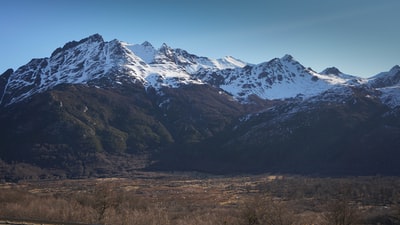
(360, 37)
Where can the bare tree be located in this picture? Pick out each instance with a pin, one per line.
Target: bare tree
(265, 211)
(105, 197)
(341, 212)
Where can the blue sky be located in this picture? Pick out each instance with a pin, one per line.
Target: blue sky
(360, 37)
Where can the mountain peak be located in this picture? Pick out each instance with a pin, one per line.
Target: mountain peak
(287, 57)
(94, 38)
(166, 49)
(395, 68)
(91, 39)
(165, 46)
(166, 53)
(331, 70)
(145, 51)
(147, 44)
(386, 79)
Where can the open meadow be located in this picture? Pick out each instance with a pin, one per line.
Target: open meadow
(200, 199)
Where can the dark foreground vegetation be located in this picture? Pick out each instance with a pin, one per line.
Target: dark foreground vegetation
(157, 199)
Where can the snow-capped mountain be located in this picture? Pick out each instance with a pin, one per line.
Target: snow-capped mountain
(386, 79)
(190, 62)
(93, 103)
(80, 62)
(93, 61)
(279, 78)
(388, 83)
(97, 62)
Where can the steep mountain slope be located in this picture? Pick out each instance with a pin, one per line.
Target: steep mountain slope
(98, 108)
(76, 128)
(90, 60)
(70, 126)
(356, 135)
(388, 83)
(386, 79)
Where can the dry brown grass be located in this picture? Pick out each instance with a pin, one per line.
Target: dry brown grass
(191, 199)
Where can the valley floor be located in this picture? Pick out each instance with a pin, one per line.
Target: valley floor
(194, 198)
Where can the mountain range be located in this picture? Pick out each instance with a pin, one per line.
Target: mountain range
(98, 108)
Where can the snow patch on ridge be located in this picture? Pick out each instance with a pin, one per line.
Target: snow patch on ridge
(391, 96)
(145, 51)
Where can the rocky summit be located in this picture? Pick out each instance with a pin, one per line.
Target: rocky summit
(107, 108)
